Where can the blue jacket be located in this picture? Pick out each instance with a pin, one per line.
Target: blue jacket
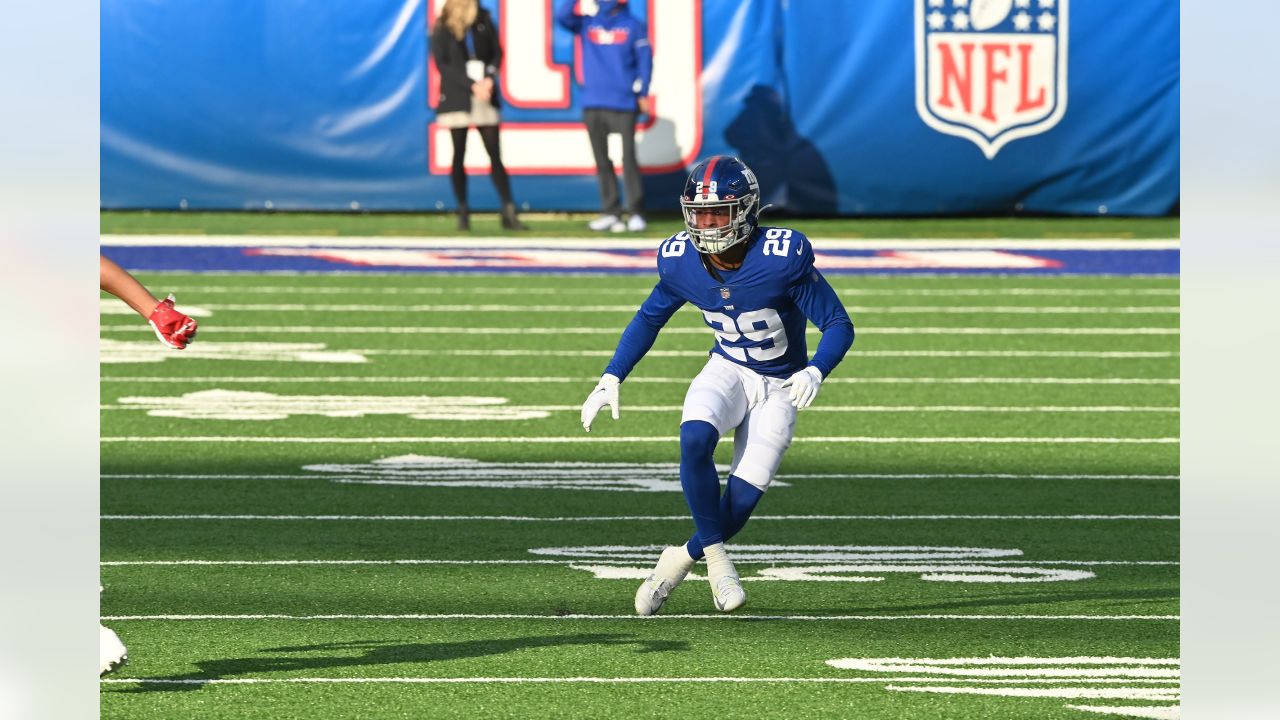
(617, 61)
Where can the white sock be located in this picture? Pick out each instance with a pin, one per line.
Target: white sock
(674, 563)
(718, 562)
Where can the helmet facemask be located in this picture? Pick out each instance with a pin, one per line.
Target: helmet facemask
(715, 225)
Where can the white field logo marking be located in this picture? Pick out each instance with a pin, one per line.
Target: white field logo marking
(246, 405)
(435, 471)
(832, 563)
(1150, 680)
(119, 351)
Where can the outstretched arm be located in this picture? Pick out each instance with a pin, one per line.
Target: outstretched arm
(117, 281)
(172, 327)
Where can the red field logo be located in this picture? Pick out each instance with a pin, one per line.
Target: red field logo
(991, 71)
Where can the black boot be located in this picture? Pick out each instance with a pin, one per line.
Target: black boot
(464, 217)
(509, 219)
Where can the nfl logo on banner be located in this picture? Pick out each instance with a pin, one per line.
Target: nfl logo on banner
(991, 71)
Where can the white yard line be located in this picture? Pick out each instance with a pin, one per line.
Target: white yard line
(524, 352)
(592, 680)
(912, 408)
(586, 438)
(1155, 694)
(970, 476)
(643, 243)
(174, 563)
(783, 476)
(641, 292)
(385, 309)
(622, 518)
(588, 380)
(651, 618)
(577, 561)
(846, 408)
(614, 331)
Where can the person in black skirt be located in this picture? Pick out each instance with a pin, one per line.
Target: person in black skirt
(465, 47)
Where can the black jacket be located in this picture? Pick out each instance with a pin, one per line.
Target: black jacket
(451, 58)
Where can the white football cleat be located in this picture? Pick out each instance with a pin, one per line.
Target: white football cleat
(673, 565)
(636, 223)
(604, 222)
(111, 652)
(726, 588)
(727, 593)
(652, 595)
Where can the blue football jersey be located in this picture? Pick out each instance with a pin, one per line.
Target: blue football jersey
(757, 312)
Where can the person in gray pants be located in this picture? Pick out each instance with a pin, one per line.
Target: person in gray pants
(601, 122)
(617, 63)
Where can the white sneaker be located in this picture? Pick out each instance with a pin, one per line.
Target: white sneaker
(727, 593)
(636, 223)
(672, 567)
(726, 588)
(111, 652)
(605, 222)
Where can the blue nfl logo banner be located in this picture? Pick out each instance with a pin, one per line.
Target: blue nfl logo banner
(991, 71)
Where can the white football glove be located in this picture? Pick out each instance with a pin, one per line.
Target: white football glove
(804, 386)
(605, 393)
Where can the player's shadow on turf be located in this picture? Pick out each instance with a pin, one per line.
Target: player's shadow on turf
(1127, 596)
(377, 652)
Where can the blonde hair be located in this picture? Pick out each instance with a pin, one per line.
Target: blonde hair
(458, 15)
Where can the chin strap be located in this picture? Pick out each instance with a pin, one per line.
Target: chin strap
(711, 268)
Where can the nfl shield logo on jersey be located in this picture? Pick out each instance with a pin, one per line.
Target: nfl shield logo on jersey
(991, 71)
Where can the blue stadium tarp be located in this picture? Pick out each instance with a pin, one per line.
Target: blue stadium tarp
(873, 107)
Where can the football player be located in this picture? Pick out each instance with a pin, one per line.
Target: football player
(757, 288)
(175, 330)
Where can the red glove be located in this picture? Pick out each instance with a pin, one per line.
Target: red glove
(172, 327)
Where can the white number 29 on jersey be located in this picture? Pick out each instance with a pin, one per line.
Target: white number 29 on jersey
(729, 333)
(777, 241)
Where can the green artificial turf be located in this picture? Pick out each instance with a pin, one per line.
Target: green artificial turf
(574, 225)
(896, 454)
